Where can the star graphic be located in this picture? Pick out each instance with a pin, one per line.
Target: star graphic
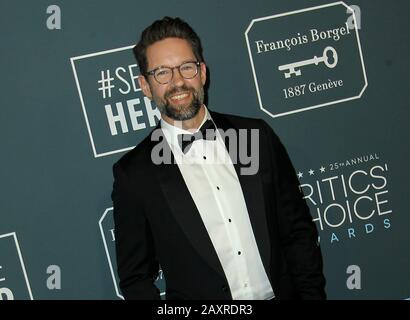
(311, 172)
(300, 174)
(322, 169)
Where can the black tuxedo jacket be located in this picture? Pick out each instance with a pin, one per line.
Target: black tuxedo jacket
(157, 222)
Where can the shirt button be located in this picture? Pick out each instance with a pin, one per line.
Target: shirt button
(245, 285)
(229, 220)
(204, 158)
(239, 253)
(217, 188)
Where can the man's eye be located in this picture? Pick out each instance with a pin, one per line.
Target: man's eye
(186, 67)
(162, 73)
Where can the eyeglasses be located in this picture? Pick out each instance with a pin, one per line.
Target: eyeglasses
(164, 75)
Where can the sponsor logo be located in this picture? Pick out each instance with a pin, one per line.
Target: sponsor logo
(117, 114)
(106, 224)
(301, 62)
(14, 284)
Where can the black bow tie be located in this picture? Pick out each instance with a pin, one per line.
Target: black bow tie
(207, 132)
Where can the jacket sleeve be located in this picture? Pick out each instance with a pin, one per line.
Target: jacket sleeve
(136, 264)
(297, 231)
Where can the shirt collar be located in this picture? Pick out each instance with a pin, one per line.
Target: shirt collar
(171, 132)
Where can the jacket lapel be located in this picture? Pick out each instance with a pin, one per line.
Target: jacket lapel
(185, 211)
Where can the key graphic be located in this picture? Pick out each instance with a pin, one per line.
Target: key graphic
(294, 68)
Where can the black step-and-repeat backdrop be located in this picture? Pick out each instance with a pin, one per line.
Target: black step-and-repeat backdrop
(329, 77)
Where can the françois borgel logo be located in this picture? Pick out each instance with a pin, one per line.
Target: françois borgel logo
(348, 199)
(306, 59)
(14, 284)
(116, 112)
(106, 224)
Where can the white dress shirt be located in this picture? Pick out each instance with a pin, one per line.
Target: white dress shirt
(211, 179)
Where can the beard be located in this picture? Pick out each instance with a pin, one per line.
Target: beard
(181, 112)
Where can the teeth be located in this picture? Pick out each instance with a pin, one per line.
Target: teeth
(180, 96)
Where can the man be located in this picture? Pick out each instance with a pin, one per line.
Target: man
(216, 232)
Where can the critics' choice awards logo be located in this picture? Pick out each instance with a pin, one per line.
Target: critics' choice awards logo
(116, 112)
(106, 224)
(14, 284)
(348, 199)
(306, 59)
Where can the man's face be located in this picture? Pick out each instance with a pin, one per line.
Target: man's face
(180, 99)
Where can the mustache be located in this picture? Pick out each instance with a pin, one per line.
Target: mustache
(177, 90)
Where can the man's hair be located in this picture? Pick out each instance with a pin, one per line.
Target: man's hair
(167, 27)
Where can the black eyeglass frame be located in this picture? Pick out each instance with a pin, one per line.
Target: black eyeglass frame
(152, 72)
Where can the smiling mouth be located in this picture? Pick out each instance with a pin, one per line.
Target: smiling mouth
(180, 96)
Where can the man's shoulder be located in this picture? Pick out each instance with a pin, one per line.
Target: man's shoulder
(239, 121)
(139, 155)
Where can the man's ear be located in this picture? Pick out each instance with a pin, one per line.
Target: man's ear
(143, 82)
(203, 72)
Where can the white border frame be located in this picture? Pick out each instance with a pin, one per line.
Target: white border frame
(13, 234)
(73, 59)
(295, 12)
(108, 254)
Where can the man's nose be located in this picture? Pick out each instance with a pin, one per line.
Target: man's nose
(177, 79)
